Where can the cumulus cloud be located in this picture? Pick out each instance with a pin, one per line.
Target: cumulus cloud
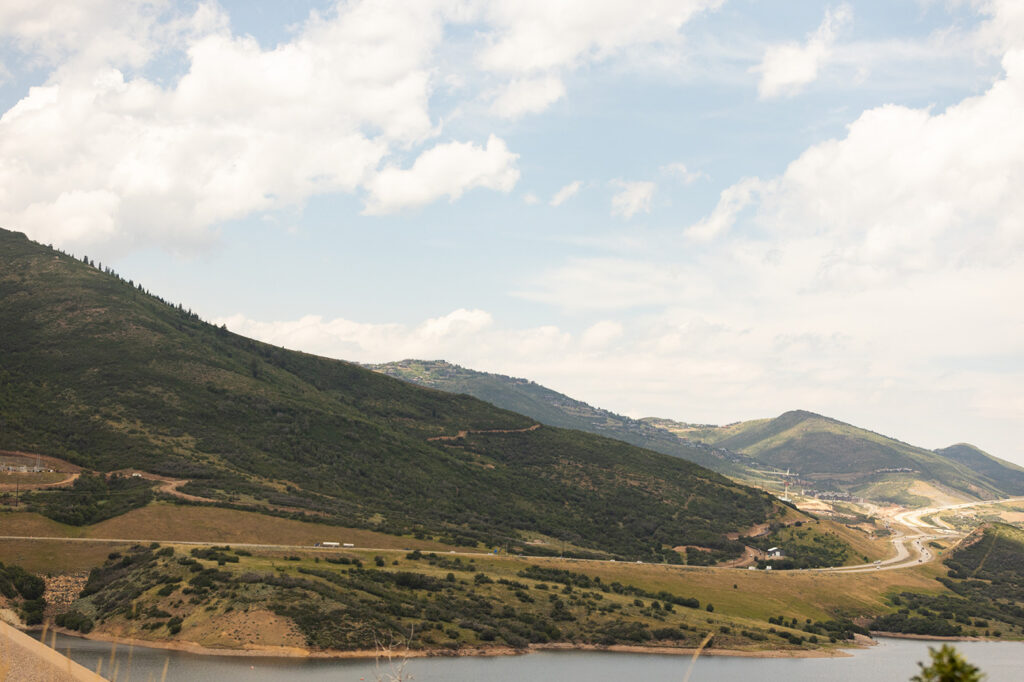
(536, 35)
(632, 197)
(466, 336)
(566, 193)
(244, 129)
(529, 96)
(150, 156)
(786, 69)
(444, 170)
(879, 269)
(540, 39)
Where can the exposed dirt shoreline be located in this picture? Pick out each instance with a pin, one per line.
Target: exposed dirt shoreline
(937, 638)
(301, 652)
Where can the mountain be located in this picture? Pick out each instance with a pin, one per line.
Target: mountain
(557, 409)
(1009, 477)
(828, 454)
(95, 370)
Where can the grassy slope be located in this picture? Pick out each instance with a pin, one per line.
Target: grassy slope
(555, 409)
(103, 374)
(742, 600)
(1009, 475)
(844, 456)
(985, 590)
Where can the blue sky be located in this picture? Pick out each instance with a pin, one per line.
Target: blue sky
(708, 210)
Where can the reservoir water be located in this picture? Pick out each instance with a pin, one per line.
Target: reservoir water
(891, 659)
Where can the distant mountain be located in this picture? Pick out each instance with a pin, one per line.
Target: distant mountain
(825, 454)
(95, 370)
(832, 455)
(557, 409)
(1008, 476)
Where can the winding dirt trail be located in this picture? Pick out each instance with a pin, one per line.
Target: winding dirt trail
(462, 434)
(63, 483)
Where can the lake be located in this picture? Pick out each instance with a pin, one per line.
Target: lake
(891, 659)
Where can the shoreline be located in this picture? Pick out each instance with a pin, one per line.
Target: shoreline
(268, 651)
(938, 638)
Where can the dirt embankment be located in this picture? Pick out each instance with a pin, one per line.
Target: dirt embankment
(167, 485)
(62, 591)
(67, 482)
(31, 458)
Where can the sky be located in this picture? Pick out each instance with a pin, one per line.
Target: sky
(705, 210)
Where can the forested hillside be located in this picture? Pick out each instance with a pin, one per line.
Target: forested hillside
(557, 409)
(95, 370)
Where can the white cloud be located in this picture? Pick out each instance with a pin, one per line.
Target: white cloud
(730, 203)
(786, 69)
(1004, 28)
(682, 173)
(600, 334)
(875, 280)
(566, 193)
(93, 32)
(245, 129)
(445, 170)
(529, 96)
(464, 336)
(632, 198)
(538, 35)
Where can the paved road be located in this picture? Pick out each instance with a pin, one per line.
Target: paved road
(908, 544)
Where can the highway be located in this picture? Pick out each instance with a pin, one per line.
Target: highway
(908, 544)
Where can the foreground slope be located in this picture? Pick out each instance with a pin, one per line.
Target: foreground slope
(556, 409)
(98, 372)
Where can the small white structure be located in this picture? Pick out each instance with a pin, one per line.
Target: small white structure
(774, 553)
(329, 544)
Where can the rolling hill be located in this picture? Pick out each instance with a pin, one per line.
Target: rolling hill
(557, 409)
(831, 455)
(95, 370)
(827, 455)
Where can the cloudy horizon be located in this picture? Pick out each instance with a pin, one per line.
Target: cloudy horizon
(704, 210)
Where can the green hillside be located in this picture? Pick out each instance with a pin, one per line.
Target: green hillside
(1008, 476)
(828, 455)
(97, 371)
(986, 583)
(831, 455)
(557, 409)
